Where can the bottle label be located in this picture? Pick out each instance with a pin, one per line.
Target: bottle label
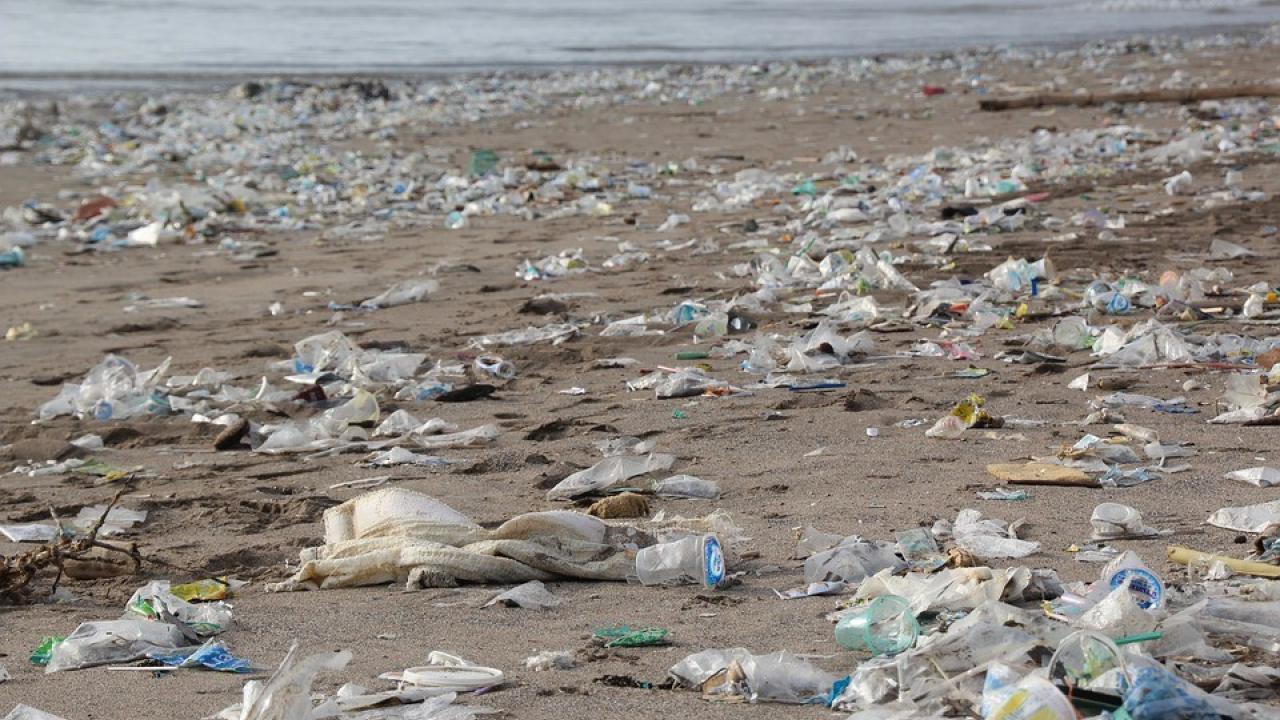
(712, 562)
(1146, 588)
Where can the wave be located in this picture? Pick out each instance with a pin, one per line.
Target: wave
(1173, 5)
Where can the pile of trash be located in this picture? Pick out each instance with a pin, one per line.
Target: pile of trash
(166, 626)
(943, 636)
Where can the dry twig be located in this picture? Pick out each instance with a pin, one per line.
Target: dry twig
(17, 571)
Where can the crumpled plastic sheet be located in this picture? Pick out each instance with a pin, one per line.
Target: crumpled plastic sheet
(402, 293)
(26, 712)
(989, 539)
(776, 677)
(555, 334)
(286, 695)
(609, 472)
(1247, 518)
(397, 535)
(851, 561)
(113, 641)
(1118, 615)
(955, 589)
(532, 595)
(939, 662)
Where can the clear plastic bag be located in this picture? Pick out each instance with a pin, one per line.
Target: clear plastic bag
(112, 641)
(607, 473)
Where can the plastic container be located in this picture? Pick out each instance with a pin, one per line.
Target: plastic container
(1089, 659)
(694, 559)
(496, 367)
(886, 626)
(1145, 586)
(1113, 520)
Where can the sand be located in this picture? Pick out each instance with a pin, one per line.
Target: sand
(248, 515)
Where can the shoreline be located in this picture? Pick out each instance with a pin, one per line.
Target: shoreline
(22, 84)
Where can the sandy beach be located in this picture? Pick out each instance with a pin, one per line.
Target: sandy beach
(784, 460)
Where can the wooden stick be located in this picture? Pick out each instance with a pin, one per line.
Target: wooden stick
(1185, 95)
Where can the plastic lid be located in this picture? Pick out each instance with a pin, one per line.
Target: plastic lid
(712, 562)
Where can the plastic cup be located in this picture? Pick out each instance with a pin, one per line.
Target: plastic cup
(1090, 660)
(1115, 520)
(694, 559)
(886, 626)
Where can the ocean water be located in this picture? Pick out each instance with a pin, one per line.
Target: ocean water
(145, 39)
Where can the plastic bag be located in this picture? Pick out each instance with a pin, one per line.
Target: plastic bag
(26, 712)
(154, 601)
(532, 595)
(112, 641)
(1258, 476)
(607, 473)
(1158, 694)
(686, 486)
(989, 539)
(402, 293)
(1247, 518)
(851, 561)
(1117, 615)
(483, 435)
(286, 695)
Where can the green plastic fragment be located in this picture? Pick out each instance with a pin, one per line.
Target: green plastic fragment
(805, 188)
(626, 636)
(482, 163)
(42, 653)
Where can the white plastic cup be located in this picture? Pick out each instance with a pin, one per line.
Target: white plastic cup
(694, 559)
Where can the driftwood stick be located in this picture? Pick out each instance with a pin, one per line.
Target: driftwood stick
(1185, 95)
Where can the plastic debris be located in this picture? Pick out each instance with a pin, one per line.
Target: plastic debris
(1257, 476)
(397, 535)
(626, 636)
(532, 595)
(550, 660)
